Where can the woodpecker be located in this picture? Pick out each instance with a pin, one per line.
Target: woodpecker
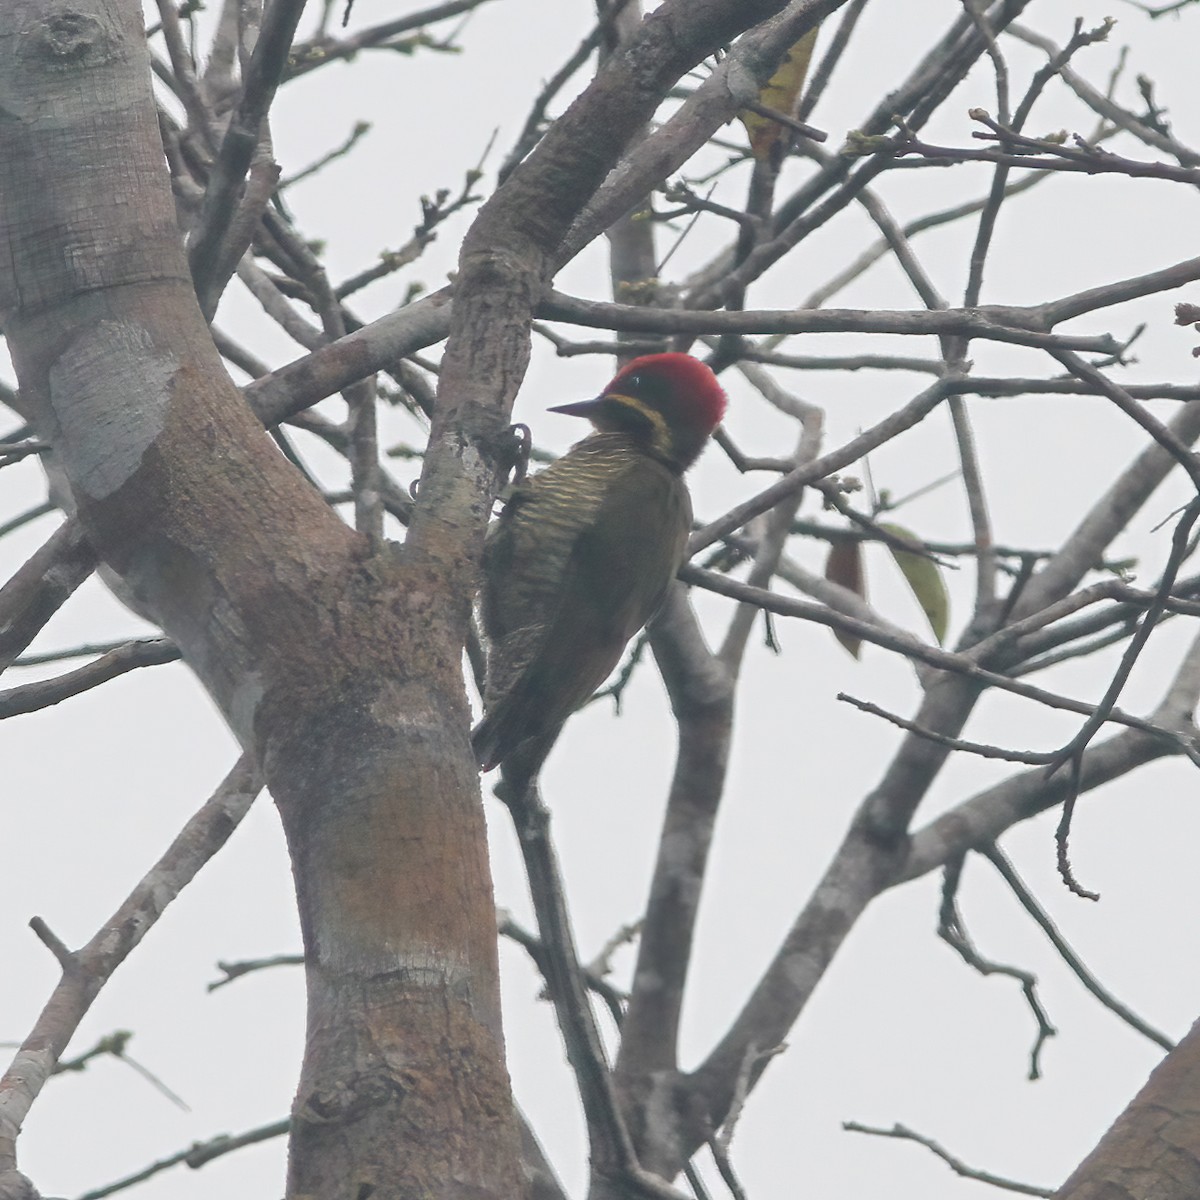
(582, 555)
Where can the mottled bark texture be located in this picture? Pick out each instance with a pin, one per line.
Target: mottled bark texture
(339, 669)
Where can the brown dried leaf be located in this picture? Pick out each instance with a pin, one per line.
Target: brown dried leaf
(845, 566)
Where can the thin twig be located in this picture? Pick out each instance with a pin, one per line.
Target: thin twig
(308, 56)
(31, 697)
(981, 522)
(1029, 903)
(115, 1045)
(955, 1164)
(830, 59)
(953, 932)
(796, 126)
(87, 971)
(236, 970)
(1072, 753)
(15, 452)
(1029, 757)
(1052, 158)
(531, 132)
(911, 647)
(196, 1155)
(356, 134)
(905, 417)
(613, 998)
(83, 650)
(1106, 107)
(434, 211)
(23, 519)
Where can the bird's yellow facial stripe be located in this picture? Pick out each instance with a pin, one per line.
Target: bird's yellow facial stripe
(660, 435)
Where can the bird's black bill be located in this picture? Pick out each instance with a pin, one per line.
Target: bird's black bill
(580, 408)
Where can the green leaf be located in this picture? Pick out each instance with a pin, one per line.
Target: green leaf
(924, 578)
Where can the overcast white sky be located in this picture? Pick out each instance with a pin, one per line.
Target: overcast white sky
(900, 1030)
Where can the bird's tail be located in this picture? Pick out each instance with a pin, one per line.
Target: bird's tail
(488, 742)
(502, 738)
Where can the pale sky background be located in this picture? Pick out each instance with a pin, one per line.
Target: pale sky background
(899, 1030)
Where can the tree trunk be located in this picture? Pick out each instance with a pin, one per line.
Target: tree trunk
(336, 665)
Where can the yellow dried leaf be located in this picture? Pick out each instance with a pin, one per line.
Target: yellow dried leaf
(781, 93)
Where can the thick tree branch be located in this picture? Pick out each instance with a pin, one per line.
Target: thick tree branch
(732, 85)
(701, 689)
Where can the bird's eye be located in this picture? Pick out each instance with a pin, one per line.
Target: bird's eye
(635, 381)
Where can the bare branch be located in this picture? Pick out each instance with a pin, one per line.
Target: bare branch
(35, 593)
(23, 519)
(611, 1147)
(1111, 513)
(830, 59)
(984, 751)
(308, 56)
(953, 932)
(701, 691)
(1053, 157)
(1021, 327)
(732, 85)
(1179, 545)
(195, 1156)
(905, 417)
(236, 970)
(356, 134)
(300, 384)
(1105, 106)
(209, 251)
(954, 1163)
(86, 971)
(536, 950)
(983, 818)
(30, 697)
(960, 664)
(1029, 903)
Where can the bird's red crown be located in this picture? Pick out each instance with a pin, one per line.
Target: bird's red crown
(685, 376)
